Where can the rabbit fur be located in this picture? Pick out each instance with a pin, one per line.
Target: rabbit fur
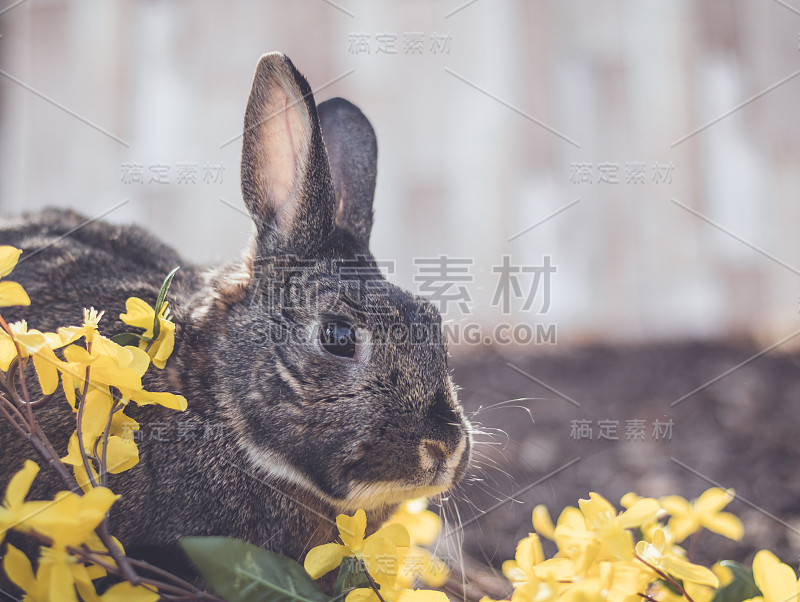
(280, 435)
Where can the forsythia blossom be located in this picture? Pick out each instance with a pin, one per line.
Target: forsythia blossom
(423, 530)
(383, 554)
(140, 315)
(99, 377)
(598, 560)
(11, 293)
(68, 521)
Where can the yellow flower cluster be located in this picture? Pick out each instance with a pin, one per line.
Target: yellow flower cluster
(392, 556)
(99, 377)
(68, 521)
(105, 375)
(598, 559)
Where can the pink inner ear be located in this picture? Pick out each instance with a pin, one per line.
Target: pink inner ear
(283, 141)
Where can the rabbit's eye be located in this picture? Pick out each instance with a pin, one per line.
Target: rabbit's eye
(338, 339)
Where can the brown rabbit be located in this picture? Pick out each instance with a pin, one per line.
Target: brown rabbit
(310, 393)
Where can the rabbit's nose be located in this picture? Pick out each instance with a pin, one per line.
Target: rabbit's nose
(435, 450)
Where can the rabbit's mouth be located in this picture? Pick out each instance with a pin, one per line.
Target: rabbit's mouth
(439, 470)
(379, 494)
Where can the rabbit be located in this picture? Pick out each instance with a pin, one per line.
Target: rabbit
(303, 402)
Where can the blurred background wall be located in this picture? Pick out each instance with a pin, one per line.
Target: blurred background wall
(491, 116)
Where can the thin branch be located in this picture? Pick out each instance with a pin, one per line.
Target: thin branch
(665, 577)
(372, 583)
(106, 432)
(4, 408)
(79, 431)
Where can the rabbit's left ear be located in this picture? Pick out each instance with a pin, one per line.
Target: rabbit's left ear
(353, 155)
(286, 181)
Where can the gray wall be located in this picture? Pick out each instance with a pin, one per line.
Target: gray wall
(476, 142)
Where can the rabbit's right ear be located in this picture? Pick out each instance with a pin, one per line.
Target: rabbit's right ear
(286, 181)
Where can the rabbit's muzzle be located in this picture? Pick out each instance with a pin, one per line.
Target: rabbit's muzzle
(445, 463)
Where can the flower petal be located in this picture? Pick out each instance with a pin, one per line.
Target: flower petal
(46, 364)
(596, 506)
(675, 505)
(725, 524)
(714, 500)
(19, 569)
(529, 552)
(620, 544)
(122, 454)
(125, 592)
(12, 293)
(361, 594)
(423, 525)
(61, 584)
(542, 522)
(686, 571)
(323, 559)
(20, 484)
(643, 511)
(97, 406)
(778, 583)
(682, 527)
(436, 571)
(8, 259)
(352, 529)
(7, 351)
(139, 315)
(167, 400)
(396, 533)
(382, 559)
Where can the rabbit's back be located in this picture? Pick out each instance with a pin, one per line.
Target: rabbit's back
(70, 262)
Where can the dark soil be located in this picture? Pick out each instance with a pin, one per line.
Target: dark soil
(742, 431)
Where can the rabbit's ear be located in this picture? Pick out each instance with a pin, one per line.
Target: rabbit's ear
(286, 182)
(353, 155)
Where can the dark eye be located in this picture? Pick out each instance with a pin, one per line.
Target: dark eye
(338, 338)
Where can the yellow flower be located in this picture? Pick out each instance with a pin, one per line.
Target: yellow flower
(723, 573)
(88, 331)
(529, 554)
(538, 592)
(122, 454)
(14, 509)
(393, 594)
(116, 366)
(11, 293)
(379, 551)
(602, 517)
(35, 344)
(571, 535)
(777, 581)
(704, 512)
(140, 315)
(59, 574)
(423, 528)
(542, 522)
(658, 555)
(68, 520)
(417, 562)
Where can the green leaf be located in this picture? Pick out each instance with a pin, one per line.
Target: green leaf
(669, 587)
(162, 295)
(128, 338)
(242, 572)
(351, 575)
(742, 587)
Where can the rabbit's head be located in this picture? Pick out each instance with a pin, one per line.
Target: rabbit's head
(336, 380)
